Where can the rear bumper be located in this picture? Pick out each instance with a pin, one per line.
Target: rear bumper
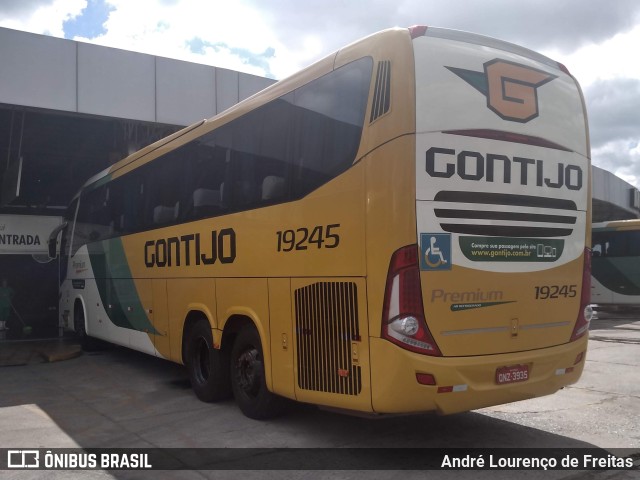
(396, 390)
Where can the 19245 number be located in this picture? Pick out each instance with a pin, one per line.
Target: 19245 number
(320, 236)
(547, 292)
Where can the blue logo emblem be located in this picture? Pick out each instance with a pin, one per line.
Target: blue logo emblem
(435, 251)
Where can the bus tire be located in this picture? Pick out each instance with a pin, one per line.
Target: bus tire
(248, 378)
(208, 367)
(87, 343)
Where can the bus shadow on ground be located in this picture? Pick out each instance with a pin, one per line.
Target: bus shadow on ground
(119, 398)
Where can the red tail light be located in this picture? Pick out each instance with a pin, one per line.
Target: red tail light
(403, 321)
(585, 313)
(417, 31)
(564, 69)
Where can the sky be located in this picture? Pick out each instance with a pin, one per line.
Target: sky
(597, 40)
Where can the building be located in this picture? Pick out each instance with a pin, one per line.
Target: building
(67, 111)
(613, 198)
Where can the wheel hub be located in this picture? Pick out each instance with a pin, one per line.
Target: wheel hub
(249, 371)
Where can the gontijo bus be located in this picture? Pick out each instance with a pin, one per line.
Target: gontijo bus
(400, 227)
(616, 263)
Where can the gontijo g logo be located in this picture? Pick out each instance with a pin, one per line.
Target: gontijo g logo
(511, 89)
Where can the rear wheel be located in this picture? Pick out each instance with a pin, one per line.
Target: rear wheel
(208, 367)
(248, 378)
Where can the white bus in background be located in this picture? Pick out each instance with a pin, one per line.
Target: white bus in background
(616, 264)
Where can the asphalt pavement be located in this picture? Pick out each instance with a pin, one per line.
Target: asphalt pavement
(55, 396)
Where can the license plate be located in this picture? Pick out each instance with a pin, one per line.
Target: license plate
(512, 374)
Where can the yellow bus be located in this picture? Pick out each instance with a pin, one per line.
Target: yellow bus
(400, 227)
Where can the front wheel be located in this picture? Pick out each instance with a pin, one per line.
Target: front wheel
(248, 378)
(87, 343)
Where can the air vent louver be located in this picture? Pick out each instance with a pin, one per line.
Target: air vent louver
(326, 326)
(382, 94)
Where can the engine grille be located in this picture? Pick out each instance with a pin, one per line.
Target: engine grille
(326, 326)
(467, 215)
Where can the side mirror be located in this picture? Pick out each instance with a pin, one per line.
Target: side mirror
(52, 243)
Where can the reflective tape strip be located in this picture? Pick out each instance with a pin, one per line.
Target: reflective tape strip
(453, 388)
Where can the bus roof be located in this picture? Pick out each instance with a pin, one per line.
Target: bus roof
(315, 70)
(482, 40)
(631, 224)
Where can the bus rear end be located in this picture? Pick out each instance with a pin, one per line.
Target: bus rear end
(490, 305)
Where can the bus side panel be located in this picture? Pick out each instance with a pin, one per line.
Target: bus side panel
(391, 216)
(394, 50)
(127, 300)
(185, 295)
(599, 293)
(139, 298)
(249, 298)
(160, 319)
(282, 339)
(80, 286)
(331, 342)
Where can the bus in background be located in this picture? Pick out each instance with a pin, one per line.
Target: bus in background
(400, 227)
(616, 264)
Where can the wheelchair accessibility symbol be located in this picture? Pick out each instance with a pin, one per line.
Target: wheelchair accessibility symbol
(435, 250)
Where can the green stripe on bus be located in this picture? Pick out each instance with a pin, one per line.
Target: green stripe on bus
(619, 274)
(116, 287)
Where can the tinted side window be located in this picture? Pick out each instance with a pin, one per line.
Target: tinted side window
(278, 152)
(616, 244)
(329, 115)
(294, 144)
(126, 203)
(93, 221)
(600, 245)
(261, 156)
(205, 169)
(164, 181)
(66, 235)
(633, 244)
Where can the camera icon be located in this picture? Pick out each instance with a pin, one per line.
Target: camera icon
(23, 459)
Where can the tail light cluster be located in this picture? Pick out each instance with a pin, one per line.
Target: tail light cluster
(586, 313)
(403, 321)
